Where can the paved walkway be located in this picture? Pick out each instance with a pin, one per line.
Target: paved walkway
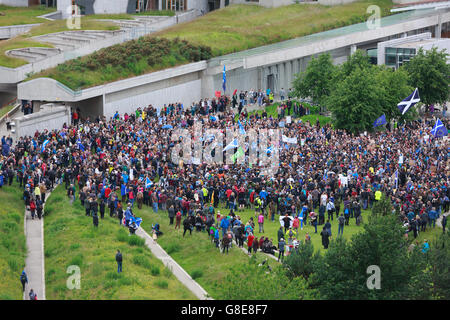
(34, 263)
(176, 269)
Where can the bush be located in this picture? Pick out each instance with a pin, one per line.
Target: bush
(167, 273)
(197, 273)
(163, 284)
(141, 260)
(155, 271)
(135, 241)
(172, 248)
(13, 264)
(122, 235)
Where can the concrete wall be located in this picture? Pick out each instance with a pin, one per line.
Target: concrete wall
(8, 32)
(198, 5)
(91, 108)
(335, 2)
(49, 118)
(15, 3)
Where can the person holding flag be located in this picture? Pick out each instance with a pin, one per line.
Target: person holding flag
(439, 130)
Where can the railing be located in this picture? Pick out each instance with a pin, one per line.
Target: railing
(76, 93)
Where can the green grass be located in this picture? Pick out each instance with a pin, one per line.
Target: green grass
(22, 15)
(17, 43)
(6, 109)
(234, 28)
(87, 23)
(71, 239)
(12, 242)
(240, 27)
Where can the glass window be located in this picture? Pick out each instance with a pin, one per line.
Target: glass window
(391, 59)
(390, 50)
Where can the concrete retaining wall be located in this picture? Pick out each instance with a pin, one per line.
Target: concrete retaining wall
(50, 118)
(9, 32)
(15, 3)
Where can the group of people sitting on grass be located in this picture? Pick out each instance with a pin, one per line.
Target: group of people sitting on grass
(127, 160)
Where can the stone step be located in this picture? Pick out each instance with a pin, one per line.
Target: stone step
(23, 55)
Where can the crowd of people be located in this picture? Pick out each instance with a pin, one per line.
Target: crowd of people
(331, 175)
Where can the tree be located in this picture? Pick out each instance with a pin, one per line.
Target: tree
(251, 282)
(383, 207)
(439, 264)
(302, 262)
(316, 80)
(395, 84)
(430, 72)
(355, 100)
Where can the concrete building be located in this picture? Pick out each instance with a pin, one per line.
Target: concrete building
(273, 66)
(394, 53)
(20, 3)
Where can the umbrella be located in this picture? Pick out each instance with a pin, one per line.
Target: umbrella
(167, 126)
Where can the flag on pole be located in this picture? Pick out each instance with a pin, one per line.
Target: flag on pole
(439, 129)
(148, 183)
(43, 145)
(241, 128)
(237, 155)
(232, 145)
(212, 198)
(380, 121)
(269, 149)
(224, 84)
(396, 179)
(408, 102)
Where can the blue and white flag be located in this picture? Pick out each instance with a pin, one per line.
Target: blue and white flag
(43, 145)
(380, 121)
(224, 84)
(241, 128)
(138, 221)
(396, 179)
(232, 145)
(439, 129)
(408, 102)
(148, 183)
(269, 149)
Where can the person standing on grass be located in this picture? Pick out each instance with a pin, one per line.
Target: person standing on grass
(281, 246)
(119, 261)
(341, 221)
(444, 223)
(178, 220)
(119, 212)
(250, 239)
(325, 237)
(23, 280)
(261, 222)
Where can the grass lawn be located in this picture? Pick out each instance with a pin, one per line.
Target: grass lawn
(17, 43)
(195, 253)
(13, 248)
(71, 239)
(240, 27)
(6, 109)
(22, 15)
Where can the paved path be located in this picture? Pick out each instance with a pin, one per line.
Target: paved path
(176, 269)
(34, 263)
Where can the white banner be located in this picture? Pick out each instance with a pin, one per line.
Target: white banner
(289, 140)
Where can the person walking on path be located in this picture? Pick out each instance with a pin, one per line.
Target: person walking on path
(23, 279)
(33, 295)
(119, 261)
(444, 222)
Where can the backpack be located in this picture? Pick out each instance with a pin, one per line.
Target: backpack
(22, 277)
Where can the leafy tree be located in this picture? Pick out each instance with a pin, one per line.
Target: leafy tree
(383, 207)
(302, 262)
(355, 100)
(358, 60)
(395, 84)
(439, 265)
(251, 282)
(343, 275)
(316, 80)
(430, 72)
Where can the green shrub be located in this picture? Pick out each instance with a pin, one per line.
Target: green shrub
(155, 271)
(173, 247)
(74, 246)
(163, 284)
(13, 264)
(77, 260)
(167, 273)
(122, 235)
(197, 273)
(141, 260)
(135, 241)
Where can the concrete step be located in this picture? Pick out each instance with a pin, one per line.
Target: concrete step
(23, 55)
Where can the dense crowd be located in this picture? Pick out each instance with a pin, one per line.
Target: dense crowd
(329, 174)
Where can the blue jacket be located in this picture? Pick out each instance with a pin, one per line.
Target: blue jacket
(225, 223)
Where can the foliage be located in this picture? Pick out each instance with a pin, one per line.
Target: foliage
(132, 58)
(316, 80)
(302, 262)
(251, 282)
(382, 207)
(429, 72)
(439, 265)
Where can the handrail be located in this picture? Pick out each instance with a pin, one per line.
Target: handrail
(67, 89)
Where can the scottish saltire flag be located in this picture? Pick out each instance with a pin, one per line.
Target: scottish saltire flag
(380, 121)
(224, 84)
(269, 149)
(439, 129)
(232, 145)
(138, 221)
(241, 128)
(43, 145)
(408, 102)
(148, 183)
(396, 179)
(237, 155)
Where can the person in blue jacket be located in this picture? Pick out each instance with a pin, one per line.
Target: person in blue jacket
(224, 224)
(23, 279)
(432, 214)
